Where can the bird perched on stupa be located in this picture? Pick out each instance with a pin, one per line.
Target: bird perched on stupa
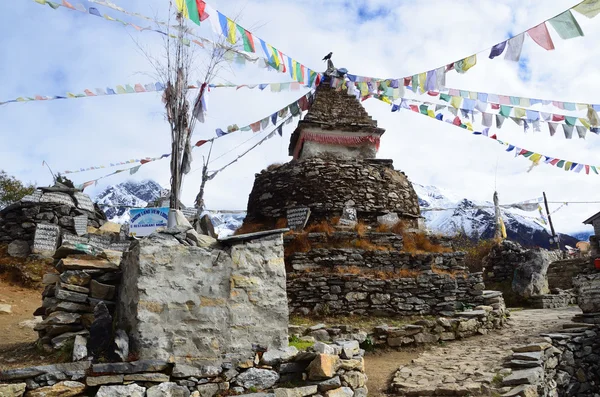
(327, 57)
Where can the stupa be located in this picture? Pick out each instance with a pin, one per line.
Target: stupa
(334, 167)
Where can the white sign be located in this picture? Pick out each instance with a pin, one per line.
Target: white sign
(146, 220)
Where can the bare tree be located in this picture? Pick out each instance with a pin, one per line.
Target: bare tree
(174, 70)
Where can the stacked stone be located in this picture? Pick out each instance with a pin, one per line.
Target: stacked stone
(390, 240)
(55, 208)
(87, 276)
(420, 332)
(561, 273)
(327, 186)
(327, 370)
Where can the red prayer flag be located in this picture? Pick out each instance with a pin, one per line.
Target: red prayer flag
(541, 36)
(494, 136)
(144, 161)
(495, 106)
(87, 92)
(558, 117)
(65, 3)
(201, 142)
(318, 80)
(456, 121)
(201, 7)
(555, 161)
(414, 108)
(523, 151)
(282, 60)
(407, 81)
(255, 126)
(587, 169)
(433, 93)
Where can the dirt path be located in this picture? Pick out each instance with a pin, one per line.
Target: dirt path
(472, 363)
(380, 366)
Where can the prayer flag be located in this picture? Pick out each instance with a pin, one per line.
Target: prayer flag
(499, 120)
(231, 31)
(422, 80)
(570, 120)
(515, 46)
(455, 101)
(566, 25)
(431, 80)
(568, 130)
(223, 23)
(505, 110)
(558, 117)
(541, 36)
(589, 8)
(552, 127)
(497, 50)
(415, 83)
(440, 75)
(134, 170)
(247, 39)
(581, 131)
(520, 112)
(486, 119)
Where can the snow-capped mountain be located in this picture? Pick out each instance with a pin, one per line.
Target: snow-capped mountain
(450, 215)
(128, 194)
(444, 212)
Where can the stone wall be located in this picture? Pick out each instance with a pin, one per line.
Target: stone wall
(271, 373)
(204, 304)
(560, 273)
(55, 206)
(327, 186)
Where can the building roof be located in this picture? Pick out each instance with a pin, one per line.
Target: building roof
(591, 219)
(335, 110)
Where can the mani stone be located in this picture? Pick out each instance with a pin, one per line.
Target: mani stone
(75, 277)
(45, 239)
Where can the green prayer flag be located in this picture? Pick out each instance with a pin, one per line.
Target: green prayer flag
(594, 169)
(464, 94)
(566, 25)
(415, 83)
(515, 100)
(589, 8)
(560, 164)
(569, 106)
(246, 38)
(312, 75)
(53, 4)
(505, 110)
(445, 97)
(192, 8)
(527, 154)
(423, 109)
(570, 120)
(129, 89)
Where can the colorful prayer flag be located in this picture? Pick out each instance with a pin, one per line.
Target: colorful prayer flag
(589, 8)
(566, 25)
(541, 36)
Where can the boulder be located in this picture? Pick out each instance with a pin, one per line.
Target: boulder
(5, 309)
(340, 392)
(110, 227)
(296, 391)
(588, 293)
(207, 390)
(168, 389)
(260, 379)
(530, 274)
(132, 390)
(80, 348)
(66, 388)
(276, 356)
(18, 249)
(13, 390)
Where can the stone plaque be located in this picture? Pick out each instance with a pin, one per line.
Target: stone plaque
(388, 220)
(33, 198)
(102, 242)
(297, 217)
(46, 238)
(57, 198)
(81, 223)
(349, 217)
(84, 202)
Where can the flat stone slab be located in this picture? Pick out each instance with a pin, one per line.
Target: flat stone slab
(472, 314)
(533, 347)
(523, 377)
(131, 367)
(524, 364)
(82, 264)
(30, 372)
(527, 356)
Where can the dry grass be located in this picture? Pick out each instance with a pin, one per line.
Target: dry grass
(381, 228)
(364, 245)
(476, 252)
(252, 227)
(399, 228)
(321, 227)
(335, 220)
(299, 243)
(417, 243)
(371, 273)
(281, 223)
(361, 228)
(26, 272)
(452, 274)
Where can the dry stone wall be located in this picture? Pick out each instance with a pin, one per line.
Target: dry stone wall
(561, 273)
(327, 186)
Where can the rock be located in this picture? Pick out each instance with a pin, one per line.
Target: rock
(102, 291)
(468, 326)
(155, 377)
(524, 376)
(296, 391)
(588, 293)
(201, 240)
(75, 277)
(275, 356)
(122, 344)
(74, 288)
(62, 318)
(340, 392)
(207, 390)
(110, 227)
(261, 379)
(321, 335)
(320, 347)
(71, 296)
(13, 390)
(528, 356)
(79, 348)
(349, 348)
(361, 392)
(104, 380)
(82, 264)
(186, 371)
(101, 344)
(533, 347)
(329, 384)
(524, 364)
(132, 367)
(354, 379)
(522, 391)
(50, 278)
(426, 337)
(5, 309)
(18, 249)
(72, 307)
(323, 366)
(530, 274)
(132, 390)
(66, 388)
(168, 389)
(348, 365)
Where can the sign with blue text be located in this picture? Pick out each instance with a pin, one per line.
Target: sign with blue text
(146, 220)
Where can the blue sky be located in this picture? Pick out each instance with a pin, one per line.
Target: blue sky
(50, 52)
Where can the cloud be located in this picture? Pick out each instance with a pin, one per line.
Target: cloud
(54, 51)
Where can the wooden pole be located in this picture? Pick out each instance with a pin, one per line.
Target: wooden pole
(498, 233)
(550, 221)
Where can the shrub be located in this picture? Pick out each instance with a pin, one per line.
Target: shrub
(281, 223)
(299, 243)
(321, 227)
(476, 252)
(420, 242)
(361, 228)
(381, 228)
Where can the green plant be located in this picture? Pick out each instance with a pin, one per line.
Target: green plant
(299, 344)
(12, 189)
(497, 380)
(368, 344)
(252, 389)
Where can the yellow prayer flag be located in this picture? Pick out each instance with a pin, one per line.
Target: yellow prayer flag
(568, 165)
(71, 95)
(456, 101)
(536, 157)
(431, 113)
(364, 89)
(422, 79)
(386, 100)
(469, 126)
(231, 27)
(182, 8)
(41, 1)
(585, 123)
(469, 62)
(581, 106)
(121, 90)
(109, 17)
(520, 113)
(472, 95)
